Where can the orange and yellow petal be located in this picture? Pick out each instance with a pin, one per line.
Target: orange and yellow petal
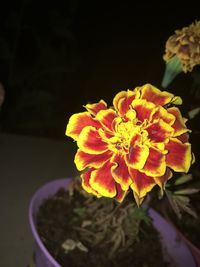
(138, 200)
(120, 193)
(137, 156)
(123, 100)
(179, 124)
(102, 181)
(183, 138)
(159, 146)
(119, 171)
(106, 118)
(96, 107)
(162, 180)
(142, 184)
(193, 158)
(83, 160)
(177, 100)
(91, 142)
(86, 182)
(78, 122)
(163, 114)
(179, 157)
(153, 94)
(155, 164)
(143, 108)
(159, 131)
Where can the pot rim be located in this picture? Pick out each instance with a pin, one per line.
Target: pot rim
(31, 215)
(54, 185)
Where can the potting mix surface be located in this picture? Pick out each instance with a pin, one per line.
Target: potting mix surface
(56, 220)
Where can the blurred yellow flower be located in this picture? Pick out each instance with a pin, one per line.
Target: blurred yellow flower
(185, 45)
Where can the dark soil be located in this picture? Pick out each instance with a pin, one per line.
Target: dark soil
(55, 221)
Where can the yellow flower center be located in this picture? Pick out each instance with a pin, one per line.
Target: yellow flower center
(125, 131)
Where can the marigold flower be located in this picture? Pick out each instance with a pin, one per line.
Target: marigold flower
(185, 45)
(133, 145)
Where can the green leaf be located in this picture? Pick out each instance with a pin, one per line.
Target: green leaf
(173, 203)
(183, 179)
(180, 203)
(80, 211)
(182, 199)
(186, 208)
(188, 191)
(192, 113)
(140, 214)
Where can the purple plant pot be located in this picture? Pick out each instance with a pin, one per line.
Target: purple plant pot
(42, 257)
(175, 249)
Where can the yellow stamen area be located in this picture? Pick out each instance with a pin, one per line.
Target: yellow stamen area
(124, 130)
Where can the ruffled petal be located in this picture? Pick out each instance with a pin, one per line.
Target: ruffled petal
(120, 193)
(155, 164)
(159, 131)
(163, 114)
(91, 142)
(96, 107)
(183, 138)
(162, 180)
(123, 100)
(179, 124)
(78, 122)
(106, 118)
(86, 182)
(83, 160)
(120, 172)
(102, 181)
(142, 183)
(138, 199)
(177, 100)
(144, 109)
(153, 94)
(137, 156)
(179, 155)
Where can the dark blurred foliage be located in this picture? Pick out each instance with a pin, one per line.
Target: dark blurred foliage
(56, 57)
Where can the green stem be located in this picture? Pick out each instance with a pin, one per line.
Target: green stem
(172, 69)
